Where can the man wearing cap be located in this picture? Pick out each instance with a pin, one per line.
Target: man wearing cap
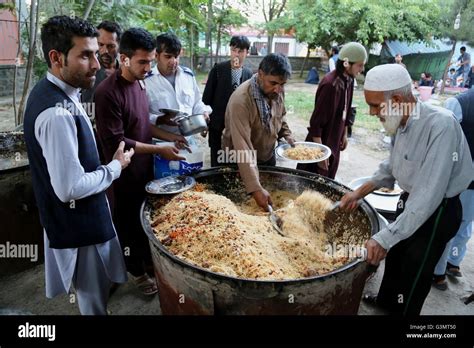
(431, 161)
(329, 122)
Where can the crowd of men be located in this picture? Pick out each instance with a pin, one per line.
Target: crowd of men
(90, 170)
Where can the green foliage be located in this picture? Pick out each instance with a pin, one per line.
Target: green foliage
(368, 21)
(300, 103)
(39, 67)
(450, 10)
(8, 7)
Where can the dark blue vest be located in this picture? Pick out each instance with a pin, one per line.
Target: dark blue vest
(85, 221)
(467, 105)
(466, 100)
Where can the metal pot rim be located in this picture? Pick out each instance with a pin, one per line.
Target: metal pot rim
(263, 169)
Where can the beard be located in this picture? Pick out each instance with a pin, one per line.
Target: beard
(106, 60)
(137, 75)
(271, 95)
(392, 120)
(79, 79)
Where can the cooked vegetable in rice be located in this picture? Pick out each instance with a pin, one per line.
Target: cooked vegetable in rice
(210, 231)
(303, 153)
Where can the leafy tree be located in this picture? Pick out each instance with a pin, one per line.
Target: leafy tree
(272, 11)
(368, 21)
(450, 10)
(465, 32)
(225, 18)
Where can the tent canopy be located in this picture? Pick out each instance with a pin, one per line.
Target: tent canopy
(418, 57)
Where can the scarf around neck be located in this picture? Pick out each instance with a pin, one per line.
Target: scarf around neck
(263, 107)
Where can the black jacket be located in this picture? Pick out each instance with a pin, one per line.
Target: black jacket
(218, 91)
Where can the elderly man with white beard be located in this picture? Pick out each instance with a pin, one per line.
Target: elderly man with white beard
(431, 161)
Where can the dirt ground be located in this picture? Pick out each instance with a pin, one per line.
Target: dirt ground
(24, 292)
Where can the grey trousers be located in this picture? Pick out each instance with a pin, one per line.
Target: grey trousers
(92, 284)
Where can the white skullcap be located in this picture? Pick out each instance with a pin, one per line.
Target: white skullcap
(387, 77)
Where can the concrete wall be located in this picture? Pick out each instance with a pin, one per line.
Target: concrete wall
(6, 80)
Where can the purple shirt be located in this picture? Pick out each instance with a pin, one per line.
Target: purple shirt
(122, 115)
(333, 96)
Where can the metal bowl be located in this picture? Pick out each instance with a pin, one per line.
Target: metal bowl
(191, 124)
(280, 151)
(170, 185)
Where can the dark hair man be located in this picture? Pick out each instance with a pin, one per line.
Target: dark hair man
(81, 245)
(255, 120)
(464, 63)
(333, 59)
(398, 60)
(122, 115)
(109, 40)
(223, 79)
(171, 86)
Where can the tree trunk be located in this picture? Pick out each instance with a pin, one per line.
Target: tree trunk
(305, 60)
(34, 13)
(17, 62)
(218, 42)
(191, 51)
(88, 9)
(447, 67)
(208, 36)
(270, 43)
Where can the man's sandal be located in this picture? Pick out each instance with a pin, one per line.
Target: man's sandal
(453, 272)
(439, 282)
(146, 285)
(370, 299)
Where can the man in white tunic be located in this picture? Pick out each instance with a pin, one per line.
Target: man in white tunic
(81, 246)
(431, 161)
(171, 86)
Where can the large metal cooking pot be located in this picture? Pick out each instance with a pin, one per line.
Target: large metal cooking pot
(19, 216)
(191, 124)
(188, 289)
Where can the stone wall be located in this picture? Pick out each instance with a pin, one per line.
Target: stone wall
(253, 61)
(6, 80)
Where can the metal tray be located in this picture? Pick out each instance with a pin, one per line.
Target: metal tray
(281, 149)
(354, 184)
(397, 191)
(170, 185)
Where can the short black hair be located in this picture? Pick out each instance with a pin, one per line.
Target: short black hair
(111, 27)
(57, 34)
(169, 43)
(134, 39)
(463, 48)
(452, 69)
(335, 49)
(240, 41)
(276, 64)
